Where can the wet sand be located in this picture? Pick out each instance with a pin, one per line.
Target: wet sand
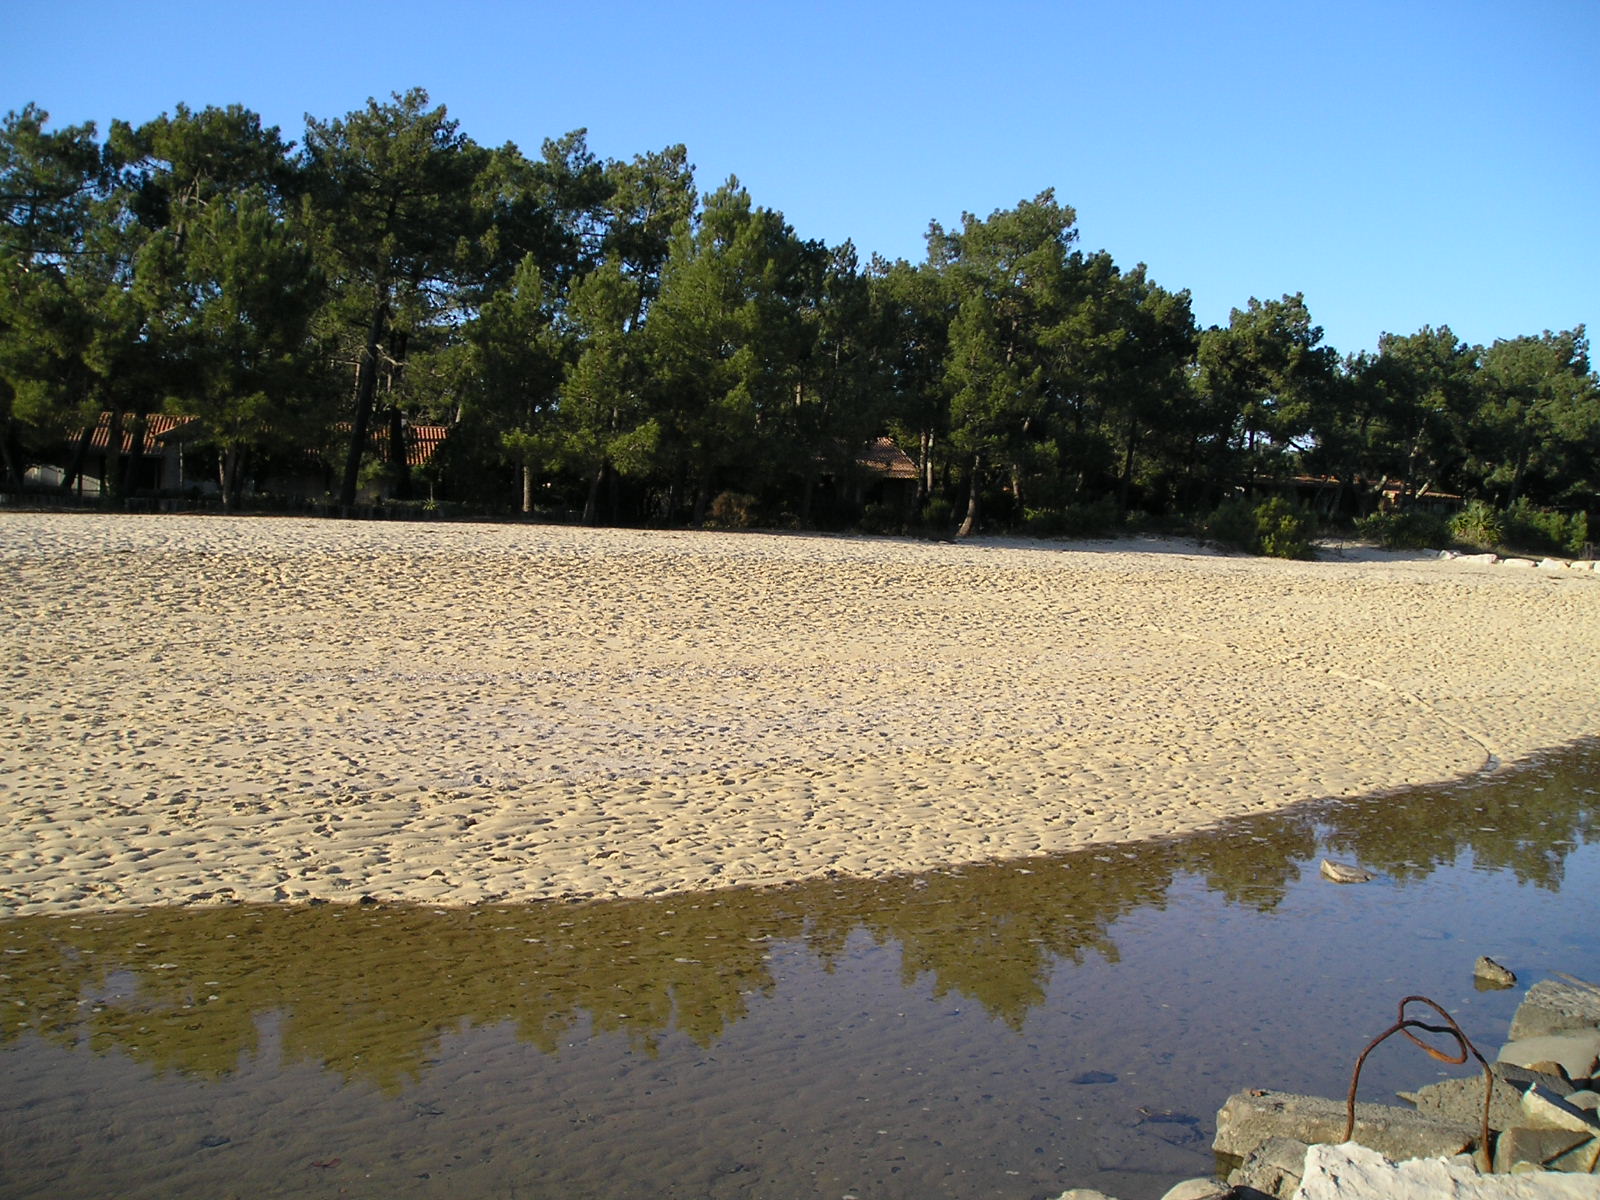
(206, 710)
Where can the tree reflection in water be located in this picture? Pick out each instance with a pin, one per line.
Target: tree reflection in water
(369, 992)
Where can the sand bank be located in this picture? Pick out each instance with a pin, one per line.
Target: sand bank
(205, 710)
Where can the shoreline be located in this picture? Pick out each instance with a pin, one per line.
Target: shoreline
(213, 709)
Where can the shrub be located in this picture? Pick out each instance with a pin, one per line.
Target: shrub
(1544, 531)
(1405, 530)
(732, 510)
(881, 518)
(939, 515)
(1274, 527)
(1478, 525)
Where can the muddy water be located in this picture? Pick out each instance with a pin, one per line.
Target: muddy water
(1010, 1030)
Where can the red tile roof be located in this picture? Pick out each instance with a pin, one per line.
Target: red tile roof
(156, 426)
(883, 456)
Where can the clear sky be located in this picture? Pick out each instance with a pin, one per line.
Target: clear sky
(1401, 163)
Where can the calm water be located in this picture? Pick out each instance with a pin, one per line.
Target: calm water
(1004, 1031)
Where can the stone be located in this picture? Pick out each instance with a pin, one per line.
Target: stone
(1554, 1006)
(1486, 559)
(1587, 1100)
(1575, 1053)
(1552, 564)
(1198, 1189)
(1543, 1109)
(1518, 562)
(1082, 1194)
(1522, 1078)
(1272, 1169)
(1525, 1144)
(1461, 1100)
(1344, 872)
(1493, 973)
(1349, 1172)
(1248, 1119)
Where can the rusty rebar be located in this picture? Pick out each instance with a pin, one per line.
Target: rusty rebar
(1405, 1025)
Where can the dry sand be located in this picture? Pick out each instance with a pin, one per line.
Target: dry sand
(205, 710)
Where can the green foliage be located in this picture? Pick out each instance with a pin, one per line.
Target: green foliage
(1479, 525)
(1405, 530)
(1545, 531)
(938, 516)
(1273, 527)
(638, 348)
(1099, 518)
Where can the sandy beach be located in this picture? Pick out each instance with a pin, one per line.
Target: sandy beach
(204, 710)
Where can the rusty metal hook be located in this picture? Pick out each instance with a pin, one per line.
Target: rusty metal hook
(1405, 1025)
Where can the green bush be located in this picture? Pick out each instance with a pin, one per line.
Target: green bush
(1101, 518)
(939, 516)
(881, 518)
(1405, 530)
(1274, 527)
(1543, 531)
(1478, 525)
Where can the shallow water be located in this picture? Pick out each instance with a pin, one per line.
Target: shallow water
(1010, 1030)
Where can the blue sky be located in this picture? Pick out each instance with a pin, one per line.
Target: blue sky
(1400, 163)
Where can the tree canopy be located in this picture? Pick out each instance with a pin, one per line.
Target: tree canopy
(604, 342)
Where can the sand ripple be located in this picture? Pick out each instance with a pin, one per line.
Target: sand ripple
(209, 709)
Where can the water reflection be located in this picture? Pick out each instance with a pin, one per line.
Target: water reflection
(370, 992)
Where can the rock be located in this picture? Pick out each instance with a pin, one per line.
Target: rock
(1580, 565)
(1524, 1144)
(1249, 1119)
(1272, 1168)
(1522, 1078)
(1543, 1109)
(1461, 1100)
(1350, 1172)
(1493, 973)
(1574, 1052)
(1587, 1100)
(1552, 564)
(1082, 1194)
(1518, 562)
(1198, 1189)
(1552, 1006)
(1088, 1077)
(1344, 872)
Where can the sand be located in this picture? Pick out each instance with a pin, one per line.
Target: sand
(203, 710)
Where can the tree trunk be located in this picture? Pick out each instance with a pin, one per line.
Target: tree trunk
(8, 450)
(111, 464)
(1127, 468)
(970, 523)
(366, 389)
(527, 488)
(79, 453)
(591, 502)
(399, 466)
(230, 476)
(130, 469)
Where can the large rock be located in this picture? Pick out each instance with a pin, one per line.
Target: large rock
(1521, 1144)
(1522, 1079)
(1349, 1172)
(1249, 1119)
(1199, 1189)
(1461, 1100)
(1552, 1006)
(1542, 1109)
(1273, 1168)
(1575, 1052)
